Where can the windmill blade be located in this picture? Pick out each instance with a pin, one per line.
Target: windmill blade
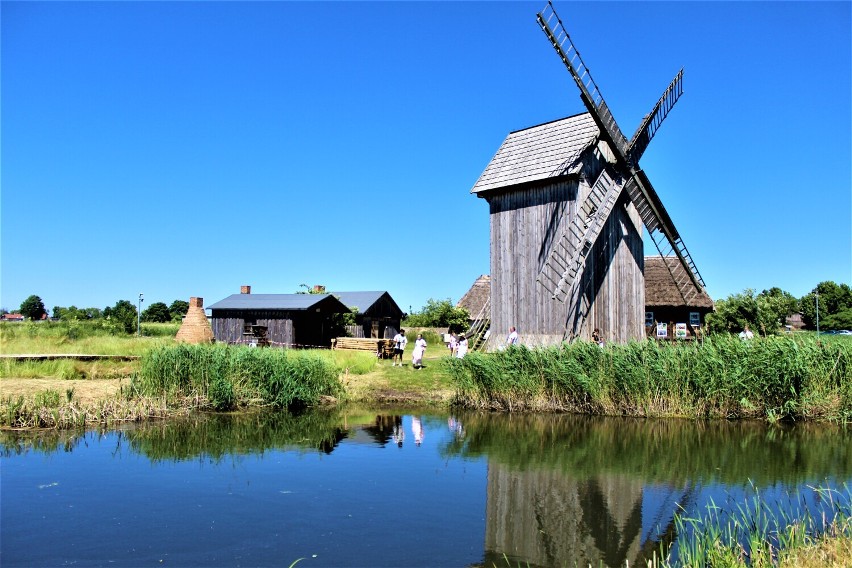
(655, 118)
(664, 234)
(638, 186)
(589, 92)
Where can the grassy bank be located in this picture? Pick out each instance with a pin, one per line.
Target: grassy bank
(770, 378)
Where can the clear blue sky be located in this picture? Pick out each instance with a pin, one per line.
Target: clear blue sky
(185, 149)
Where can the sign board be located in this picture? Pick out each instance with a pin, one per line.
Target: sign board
(694, 319)
(662, 330)
(649, 319)
(680, 330)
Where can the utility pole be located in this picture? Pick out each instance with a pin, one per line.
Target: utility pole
(139, 316)
(817, 310)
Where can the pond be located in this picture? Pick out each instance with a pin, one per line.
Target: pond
(386, 487)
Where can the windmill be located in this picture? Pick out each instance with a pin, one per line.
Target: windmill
(568, 253)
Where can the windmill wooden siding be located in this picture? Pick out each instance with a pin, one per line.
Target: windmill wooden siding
(533, 186)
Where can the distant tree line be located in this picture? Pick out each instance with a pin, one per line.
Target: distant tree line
(123, 312)
(767, 311)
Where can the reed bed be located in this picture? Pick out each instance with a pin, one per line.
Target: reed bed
(52, 409)
(772, 378)
(228, 377)
(760, 532)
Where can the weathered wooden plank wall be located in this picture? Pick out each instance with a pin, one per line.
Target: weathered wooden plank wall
(230, 329)
(227, 329)
(279, 331)
(523, 225)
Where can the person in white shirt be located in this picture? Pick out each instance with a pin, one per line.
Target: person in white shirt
(399, 342)
(513, 336)
(746, 333)
(461, 348)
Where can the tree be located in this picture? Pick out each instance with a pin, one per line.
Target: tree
(440, 313)
(158, 312)
(833, 299)
(773, 307)
(33, 308)
(74, 313)
(178, 309)
(124, 313)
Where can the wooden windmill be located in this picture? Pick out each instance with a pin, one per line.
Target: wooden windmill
(577, 199)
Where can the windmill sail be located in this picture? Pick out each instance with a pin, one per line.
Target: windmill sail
(641, 192)
(568, 255)
(655, 118)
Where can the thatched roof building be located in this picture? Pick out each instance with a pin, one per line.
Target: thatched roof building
(476, 300)
(195, 327)
(663, 301)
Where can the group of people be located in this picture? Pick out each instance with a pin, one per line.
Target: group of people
(399, 343)
(456, 344)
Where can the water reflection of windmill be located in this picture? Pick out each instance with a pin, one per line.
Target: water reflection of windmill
(568, 201)
(545, 517)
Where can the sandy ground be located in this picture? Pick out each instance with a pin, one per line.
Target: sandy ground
(86, 391)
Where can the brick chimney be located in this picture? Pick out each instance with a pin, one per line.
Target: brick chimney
(245, 289)
(196, 302)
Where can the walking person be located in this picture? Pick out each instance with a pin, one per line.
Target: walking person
(419, 350)
(452, 344)
(399, 342)
(461, 348)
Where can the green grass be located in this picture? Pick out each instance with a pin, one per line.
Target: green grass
(98, 337)
(771, 378)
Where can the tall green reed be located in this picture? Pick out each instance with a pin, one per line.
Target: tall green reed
(773, 378)
(231, 376)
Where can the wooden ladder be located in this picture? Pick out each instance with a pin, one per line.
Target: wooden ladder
(568, 254)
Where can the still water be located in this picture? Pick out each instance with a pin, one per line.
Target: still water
(355, 487)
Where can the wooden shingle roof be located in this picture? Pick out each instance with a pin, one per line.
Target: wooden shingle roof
(539, 152)
(660, 287)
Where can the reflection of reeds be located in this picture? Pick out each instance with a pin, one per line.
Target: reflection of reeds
(772, 378)
(762, 533)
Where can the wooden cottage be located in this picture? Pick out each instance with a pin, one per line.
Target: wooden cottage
(288, 320)
(377, 314)
(537, 186)
(665, 304)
